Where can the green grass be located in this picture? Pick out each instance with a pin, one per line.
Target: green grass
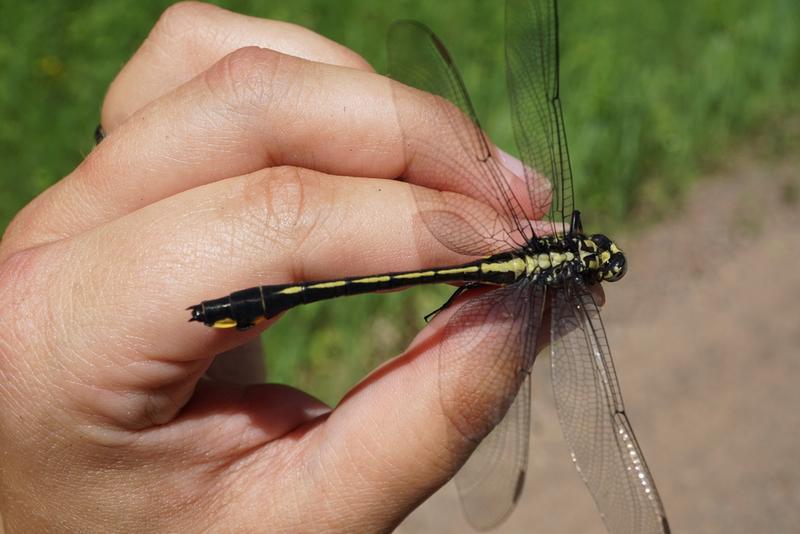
(653, 92)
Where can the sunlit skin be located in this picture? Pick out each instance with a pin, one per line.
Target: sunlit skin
(215, 141)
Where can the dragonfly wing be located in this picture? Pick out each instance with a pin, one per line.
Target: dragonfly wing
(493, 336)
(532, 71)
(491, 481)
(461, 153)
(593, 419)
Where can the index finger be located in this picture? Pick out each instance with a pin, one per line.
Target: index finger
(252, 110)
(190, 37)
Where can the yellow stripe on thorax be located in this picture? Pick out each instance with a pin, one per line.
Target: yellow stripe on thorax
(530, 265)
(587, 250)
(515, 265)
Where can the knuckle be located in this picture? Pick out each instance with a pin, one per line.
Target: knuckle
(282, 205)
(181, 19)
(247, 78)
(181, 35)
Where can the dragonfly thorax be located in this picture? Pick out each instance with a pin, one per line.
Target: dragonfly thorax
(594, 259)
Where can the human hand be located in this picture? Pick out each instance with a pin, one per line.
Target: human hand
(224, 167)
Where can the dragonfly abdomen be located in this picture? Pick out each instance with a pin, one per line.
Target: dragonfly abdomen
(244, 308)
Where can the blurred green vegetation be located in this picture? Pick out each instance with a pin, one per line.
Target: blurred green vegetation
(653, 92)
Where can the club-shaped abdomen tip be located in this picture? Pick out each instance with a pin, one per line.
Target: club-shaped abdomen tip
(197, 313)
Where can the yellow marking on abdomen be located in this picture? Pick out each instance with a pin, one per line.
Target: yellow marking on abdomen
(411, 276)
(328, 285)
(291, 290)
(530, 265)
(224, 323)
(459, 270)
(372, 280)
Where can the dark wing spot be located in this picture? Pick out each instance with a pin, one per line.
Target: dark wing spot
(520, 485)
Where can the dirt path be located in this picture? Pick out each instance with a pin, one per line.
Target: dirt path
(706, 337)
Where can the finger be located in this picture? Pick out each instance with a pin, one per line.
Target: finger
(124, 301)
(254, 415)
(243, 365)
(189, 37)
(389, 444)
(254, 109)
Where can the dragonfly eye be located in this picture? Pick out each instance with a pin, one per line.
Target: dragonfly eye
(612, 261)
(615, 268)
(602, 242)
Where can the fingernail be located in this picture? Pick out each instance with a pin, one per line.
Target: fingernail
(511, 163)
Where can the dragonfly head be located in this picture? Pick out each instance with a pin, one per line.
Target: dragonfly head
(611, 263)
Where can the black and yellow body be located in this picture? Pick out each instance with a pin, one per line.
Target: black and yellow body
(548, 261)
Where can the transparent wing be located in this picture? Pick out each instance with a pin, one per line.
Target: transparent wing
(491, 481)
(460, 154)
(593, 418)
(493, 336)
(532, 71)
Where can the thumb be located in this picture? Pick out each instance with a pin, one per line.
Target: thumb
(407, 428)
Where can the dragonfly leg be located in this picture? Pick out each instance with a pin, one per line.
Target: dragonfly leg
(459, 291)
(576, 225)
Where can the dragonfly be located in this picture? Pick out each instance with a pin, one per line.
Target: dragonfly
(541, 274)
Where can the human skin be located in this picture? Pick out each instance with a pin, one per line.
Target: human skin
(239, 152)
